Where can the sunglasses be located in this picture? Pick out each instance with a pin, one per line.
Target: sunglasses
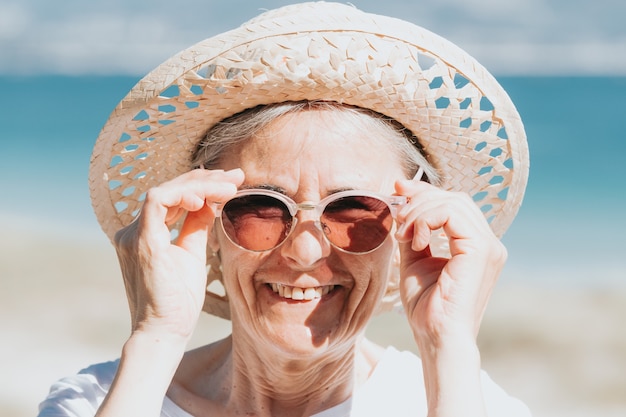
(353, 221)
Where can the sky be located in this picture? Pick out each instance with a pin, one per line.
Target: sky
(130, 37)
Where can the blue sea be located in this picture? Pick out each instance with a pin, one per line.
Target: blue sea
(571, 229)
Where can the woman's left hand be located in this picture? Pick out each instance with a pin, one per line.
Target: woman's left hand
(445, 298)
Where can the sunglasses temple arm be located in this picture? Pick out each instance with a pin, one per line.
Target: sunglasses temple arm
(419, 174)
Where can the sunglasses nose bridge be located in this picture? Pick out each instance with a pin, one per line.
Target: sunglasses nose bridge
(308, 206)
(315, 213)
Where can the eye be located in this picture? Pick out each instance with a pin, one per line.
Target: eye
(354, 207)
(256, 206)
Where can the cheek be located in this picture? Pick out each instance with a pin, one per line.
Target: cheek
(371, 278)
(372, 274)
(238, 269)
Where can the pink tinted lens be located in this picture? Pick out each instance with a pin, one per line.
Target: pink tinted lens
(357, 223)
(256, 222)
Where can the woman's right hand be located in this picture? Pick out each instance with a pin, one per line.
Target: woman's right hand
(165, 282)
(165, 285)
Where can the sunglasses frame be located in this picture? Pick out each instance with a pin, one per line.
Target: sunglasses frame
(394, 203)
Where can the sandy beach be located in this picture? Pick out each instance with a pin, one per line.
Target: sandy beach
(561, 350)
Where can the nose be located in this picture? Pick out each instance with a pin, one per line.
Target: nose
(306, 246)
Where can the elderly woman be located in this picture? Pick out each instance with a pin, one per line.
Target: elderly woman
(323, 165)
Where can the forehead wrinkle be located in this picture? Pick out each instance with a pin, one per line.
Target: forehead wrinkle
(275, 154)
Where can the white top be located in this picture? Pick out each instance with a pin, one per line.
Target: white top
(396, 388)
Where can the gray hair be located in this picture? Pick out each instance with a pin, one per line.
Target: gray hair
(246, 124)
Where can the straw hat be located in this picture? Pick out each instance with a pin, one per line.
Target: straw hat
(315, 51)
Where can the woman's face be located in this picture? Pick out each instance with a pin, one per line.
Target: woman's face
(308, 156)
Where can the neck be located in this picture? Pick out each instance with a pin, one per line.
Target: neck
(282, 385)
(236, 378)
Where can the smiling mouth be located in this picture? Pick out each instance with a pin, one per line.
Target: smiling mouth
(301, 294)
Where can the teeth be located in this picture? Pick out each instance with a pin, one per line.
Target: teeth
(297, 293)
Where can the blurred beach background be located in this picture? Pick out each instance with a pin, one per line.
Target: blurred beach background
(555, 332)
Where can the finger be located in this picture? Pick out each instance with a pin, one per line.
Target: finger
(408, 255)
(192, 190)
(165, 204)
(420, 192)
(410, 188)
(420, 218)
(455, 213)
(417, 225)
(193, 236)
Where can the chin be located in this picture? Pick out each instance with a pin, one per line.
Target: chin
(295, 330)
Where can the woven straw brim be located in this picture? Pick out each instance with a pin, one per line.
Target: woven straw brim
(316, 51)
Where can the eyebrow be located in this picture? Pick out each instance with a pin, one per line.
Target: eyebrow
(281, 190)
(338, 190)
(265, 186)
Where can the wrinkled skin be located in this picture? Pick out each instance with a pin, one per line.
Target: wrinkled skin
(287, 358)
